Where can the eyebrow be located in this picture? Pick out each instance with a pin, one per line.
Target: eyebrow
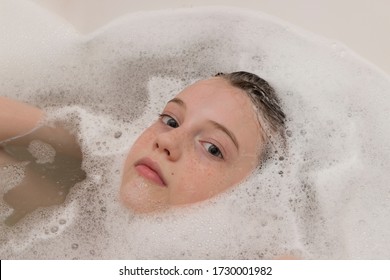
(214, 123)
(178, 101)
(227, 131)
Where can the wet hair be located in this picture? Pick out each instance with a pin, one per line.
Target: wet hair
(269, 112)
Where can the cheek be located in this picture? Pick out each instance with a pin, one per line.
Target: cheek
(143, 143)
(215, 178)
(146, 137)
(199, 181)
(244, 168)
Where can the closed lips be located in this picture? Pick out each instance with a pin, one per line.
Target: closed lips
(150, 170)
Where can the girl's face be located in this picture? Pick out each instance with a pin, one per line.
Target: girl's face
(206, 140)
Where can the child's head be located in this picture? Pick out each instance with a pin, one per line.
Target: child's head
(208, 138)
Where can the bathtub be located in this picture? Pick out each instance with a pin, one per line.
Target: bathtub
(339, 133)
(360, 25)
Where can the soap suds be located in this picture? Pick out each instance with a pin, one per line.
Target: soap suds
(323, 200)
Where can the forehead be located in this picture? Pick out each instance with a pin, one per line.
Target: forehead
(217, 100)
(215, 92)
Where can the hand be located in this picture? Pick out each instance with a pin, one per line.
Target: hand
(48, 176)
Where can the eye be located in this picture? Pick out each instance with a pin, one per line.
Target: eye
(213, 150)
(168, 120)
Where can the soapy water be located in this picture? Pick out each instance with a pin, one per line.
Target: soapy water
(329, 198)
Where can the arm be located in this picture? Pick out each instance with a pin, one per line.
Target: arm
(44, 183)
(17, 118)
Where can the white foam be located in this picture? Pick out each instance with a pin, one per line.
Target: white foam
(42, 152)
(327, 198)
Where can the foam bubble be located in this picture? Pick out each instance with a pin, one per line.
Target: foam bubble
(324, 199)
(43, 152)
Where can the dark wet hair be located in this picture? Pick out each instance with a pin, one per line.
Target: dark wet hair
(270, 114)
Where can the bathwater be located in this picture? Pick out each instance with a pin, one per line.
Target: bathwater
(329, 198)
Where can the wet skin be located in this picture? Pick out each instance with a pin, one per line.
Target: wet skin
(206, 140)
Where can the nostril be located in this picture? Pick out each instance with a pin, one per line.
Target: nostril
(162, 148)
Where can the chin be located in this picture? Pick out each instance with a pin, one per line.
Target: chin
(136, 195)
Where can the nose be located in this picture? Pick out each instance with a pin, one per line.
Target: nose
(170, 143)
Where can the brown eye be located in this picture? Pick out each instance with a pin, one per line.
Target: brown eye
(168, 120)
